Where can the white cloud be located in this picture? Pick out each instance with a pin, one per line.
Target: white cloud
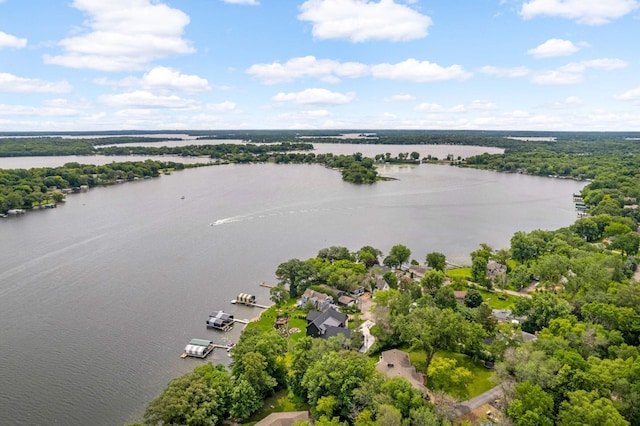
(7, 40)
(249, 2)
(144, 99)
(304, 67)
(604, 64)
(476, 105)
(403, 97)
(632, 95)
(572, 72)
(315, 96)
(422, 72)
(12, 83)
(505, 72)
(225, 106)
(590, 12)
(569, 102)
(364, 20)
(427, 107)
(124, 35)
(556, 77)
(162, 80)
(309, 114)
(553, 48)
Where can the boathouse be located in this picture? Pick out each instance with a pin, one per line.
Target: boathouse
(198, 348)
(220, 320)
(247, 299)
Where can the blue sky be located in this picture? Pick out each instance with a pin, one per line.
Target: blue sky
(320, 64)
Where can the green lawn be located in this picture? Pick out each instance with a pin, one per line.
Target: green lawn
(494, 302)
(297, 319)
(464, 273)
(482, 379)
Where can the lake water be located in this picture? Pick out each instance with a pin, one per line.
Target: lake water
(99, 297)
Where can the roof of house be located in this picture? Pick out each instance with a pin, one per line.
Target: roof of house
(395, 363)
(283, 419)
(459, 294)
(315, 295)
(345, 300)
(329, 322)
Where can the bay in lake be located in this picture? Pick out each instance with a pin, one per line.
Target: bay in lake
(99, 297)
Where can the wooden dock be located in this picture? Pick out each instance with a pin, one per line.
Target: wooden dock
(263, 284)
(241, 321)
(257, 305)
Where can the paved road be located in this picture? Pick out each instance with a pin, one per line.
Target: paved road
(491, 395)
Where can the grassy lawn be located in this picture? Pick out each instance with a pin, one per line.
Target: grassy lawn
(297, 319)
(481, 377)
(494, 302)
(277, 403)
(464, 273)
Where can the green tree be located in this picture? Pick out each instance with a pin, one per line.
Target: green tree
(585, 408)
(473, 298)
(540, 309)
(586, 228)
(531, 406)
(432, 281)
(279, 295)
(445, 374)
(484, 316)
(432, 329)
(479, 270)
(199, 398)
(398, 255)
(523, 248)
(628, 244)
(445, 298)
(334, 253)
(369, 256)
(295, 274)
(337, 374)
(436, 260)
(244, 400)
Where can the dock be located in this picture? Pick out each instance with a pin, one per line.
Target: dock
(263, 284)
(195, 351)
(257, 305)
(241, 321)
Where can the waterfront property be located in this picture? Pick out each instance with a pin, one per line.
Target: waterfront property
(327, 324)
(198, 348)
(220, 321)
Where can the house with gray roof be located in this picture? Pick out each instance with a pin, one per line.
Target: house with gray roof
(327, 324)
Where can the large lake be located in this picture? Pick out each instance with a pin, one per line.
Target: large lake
(99, 297)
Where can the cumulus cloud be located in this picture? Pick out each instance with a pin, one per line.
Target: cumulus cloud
(428, 107)
(632, 95)
(512, 72)
(553, 48)
(162, 80)
(123, 35)
(307, 67)
(556, 77)
(144, 99)
(12, 83)
(419, 71)
(589, 12)
(572, 72)
(7, 40)
(364, 20)
(315, 96)
(604, 64)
